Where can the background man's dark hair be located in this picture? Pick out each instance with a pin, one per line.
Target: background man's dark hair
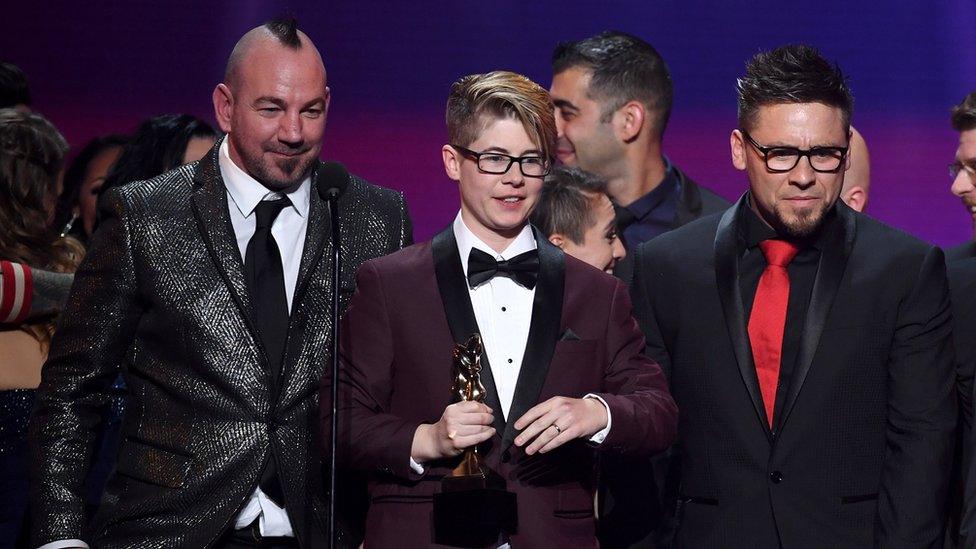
(791, 74)
(964, 114)
(625, 68)
(285, 29)
(565, 204)
(13, 86)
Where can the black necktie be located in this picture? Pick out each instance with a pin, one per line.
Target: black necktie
(266, 284)
(523, 268)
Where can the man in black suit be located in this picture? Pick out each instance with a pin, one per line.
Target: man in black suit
(208, 287)
(963, 168)
(613, 97)
(807, 345)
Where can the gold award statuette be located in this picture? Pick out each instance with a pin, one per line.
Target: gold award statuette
(473, 508)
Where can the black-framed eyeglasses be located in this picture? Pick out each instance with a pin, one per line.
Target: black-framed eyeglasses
(497, 163)
(968, 167)
(784, 159)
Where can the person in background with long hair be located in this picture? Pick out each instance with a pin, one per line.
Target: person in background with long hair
(31, 160)
(83, 183)
(160, 144)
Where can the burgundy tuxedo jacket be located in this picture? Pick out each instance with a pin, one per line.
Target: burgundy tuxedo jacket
(397, 338)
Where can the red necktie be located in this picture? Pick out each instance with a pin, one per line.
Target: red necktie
(768, 319)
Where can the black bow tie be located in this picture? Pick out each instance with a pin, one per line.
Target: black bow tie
(523, 268)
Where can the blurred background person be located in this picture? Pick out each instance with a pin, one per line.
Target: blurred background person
(575, 214)
(160, 144)
(31, 158)
(857, 179)
(14, 91)
(82, 184)
(963, 169)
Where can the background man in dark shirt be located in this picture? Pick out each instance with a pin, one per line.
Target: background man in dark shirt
(963, 168)
(807, 345)
(613, 97)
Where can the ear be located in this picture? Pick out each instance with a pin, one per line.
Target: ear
(738, 146)
(557, 240)
(328, 100)
(452, 163)
(223, 102)
(629, 120)
(856, 198)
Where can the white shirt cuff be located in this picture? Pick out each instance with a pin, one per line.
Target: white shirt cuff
(417, 468)
(601, 435)
(64, 544)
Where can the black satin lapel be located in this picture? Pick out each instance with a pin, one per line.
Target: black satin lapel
(210, 209)
(318, 238)
(727, 279)
(833, 261)
(453, 288)
(547, 310)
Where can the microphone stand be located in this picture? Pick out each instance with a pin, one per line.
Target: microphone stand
(333, 199)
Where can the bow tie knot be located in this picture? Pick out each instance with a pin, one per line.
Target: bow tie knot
(523, 268)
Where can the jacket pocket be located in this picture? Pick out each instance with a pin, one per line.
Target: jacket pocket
(858, 499)
(573, 503)
(149, 463)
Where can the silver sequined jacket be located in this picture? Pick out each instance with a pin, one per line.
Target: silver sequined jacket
(162, 298)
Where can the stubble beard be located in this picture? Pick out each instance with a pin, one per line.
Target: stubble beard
(265, 170)
(799, 224)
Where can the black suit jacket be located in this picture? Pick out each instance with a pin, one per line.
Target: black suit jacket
(162, 298)
(635, 495)
(965, 250)
(962, 288)
(864, 447)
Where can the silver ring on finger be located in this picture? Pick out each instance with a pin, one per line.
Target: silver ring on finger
(558, 430)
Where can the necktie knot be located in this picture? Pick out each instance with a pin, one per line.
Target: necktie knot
(267, 210)
(778, 252)
(523, 268)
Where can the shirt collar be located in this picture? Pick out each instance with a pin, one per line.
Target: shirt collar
(524, 242)
(246, 192)
(647, 203)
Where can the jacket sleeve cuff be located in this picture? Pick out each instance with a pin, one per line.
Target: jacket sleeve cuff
(65, 544)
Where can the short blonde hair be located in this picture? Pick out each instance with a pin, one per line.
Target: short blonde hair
(478, 99)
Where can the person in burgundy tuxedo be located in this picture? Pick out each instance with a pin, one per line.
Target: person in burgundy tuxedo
(562, 363)
(807, 345)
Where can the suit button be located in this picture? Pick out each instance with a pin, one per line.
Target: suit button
(506, 456)
(776, 477)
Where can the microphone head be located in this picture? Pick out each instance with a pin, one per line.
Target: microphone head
(331, 180)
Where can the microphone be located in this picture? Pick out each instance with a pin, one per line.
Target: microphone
(331, 180)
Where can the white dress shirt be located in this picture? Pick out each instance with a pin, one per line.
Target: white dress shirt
(243, 195)
(503, 310)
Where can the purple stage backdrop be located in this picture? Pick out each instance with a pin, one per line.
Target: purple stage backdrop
(101, 67)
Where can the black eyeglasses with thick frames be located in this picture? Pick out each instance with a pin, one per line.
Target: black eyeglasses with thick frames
(497, 163)
(784, 159)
